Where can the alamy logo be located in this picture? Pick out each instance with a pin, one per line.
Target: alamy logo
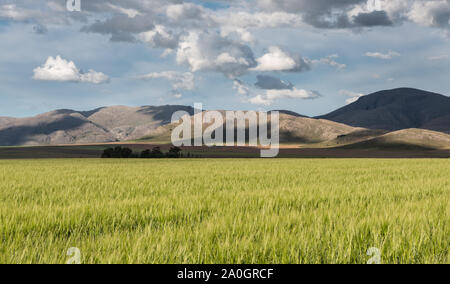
(75, 256)
(375, 254)
(242, 128)
(73, 5)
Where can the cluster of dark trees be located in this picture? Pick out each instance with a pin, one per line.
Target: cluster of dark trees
(155, 153)
(117, 152)
(174, 152)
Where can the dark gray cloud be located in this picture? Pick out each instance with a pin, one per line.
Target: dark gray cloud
(121, 27)
(318, 13)
(373, 19)
(441, 18)
(343, 21)
(272, 83)
(40, 29)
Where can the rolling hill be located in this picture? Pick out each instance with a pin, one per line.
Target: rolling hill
(56, 127)
(395, 110)
(412, 139)
(109, 124)
(294, 129)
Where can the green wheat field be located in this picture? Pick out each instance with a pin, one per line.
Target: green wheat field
(236, 211)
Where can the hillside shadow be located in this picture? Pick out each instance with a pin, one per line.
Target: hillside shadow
(20, 135)
(164, 113)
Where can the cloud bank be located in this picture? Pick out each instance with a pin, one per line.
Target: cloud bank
(227, 37)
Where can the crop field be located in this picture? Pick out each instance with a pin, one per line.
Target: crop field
(225, 211)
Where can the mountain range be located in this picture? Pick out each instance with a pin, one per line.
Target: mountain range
(387, 118)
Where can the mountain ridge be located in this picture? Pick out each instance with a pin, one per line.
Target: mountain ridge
(396, 109)
(105, 124)
(368, 118)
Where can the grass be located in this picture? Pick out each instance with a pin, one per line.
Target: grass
(224, 211)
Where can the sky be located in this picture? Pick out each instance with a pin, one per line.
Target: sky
(307, 56)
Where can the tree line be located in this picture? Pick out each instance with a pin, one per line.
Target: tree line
(156, 153)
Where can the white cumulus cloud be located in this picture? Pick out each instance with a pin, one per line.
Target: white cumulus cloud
(274, 90)
(431, 13)
(271, 96)
(203, 51)
(277, 59)
(59, 69)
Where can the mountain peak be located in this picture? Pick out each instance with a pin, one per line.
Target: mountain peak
(397, 109)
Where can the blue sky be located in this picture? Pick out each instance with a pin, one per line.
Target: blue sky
(173, 52)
